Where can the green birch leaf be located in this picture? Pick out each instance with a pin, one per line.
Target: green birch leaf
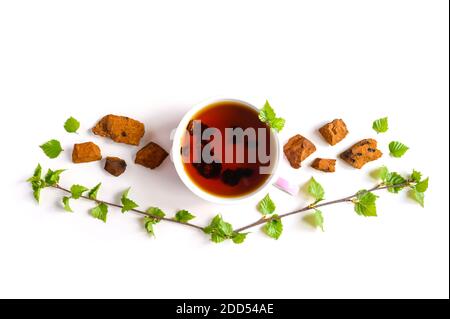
(274, 227)
(381, 125)
(52, 177)
(71, 125)
(316, 190)
(365, 204)
(127, 203)
(394, 179)
(52, 148)
(416, 176)
(422, 186)
(397, 149)
(183, 216)
(94, 191)
(155, 211)
(239, 238)
(418, 196)
(100, 212)
(77, 191)
(318, 219)
(66, 204)
(266, 206)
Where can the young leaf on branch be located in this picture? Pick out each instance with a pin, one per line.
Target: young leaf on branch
(239, 238)
(221, 231)
(394, 180)
(37, 183)
(66, 204)
(92, 194)
(148, 224)
(365, 203)
(267, 115)
(266, 206)
(382, 173)
(318, 219)
(417, 191)
(316, 190)
(156, 214)
(315, 219)
(52, 177)
(416, 176)
(100, 212)
(36, 175)
(274, 227)
(150, 221)
(127, 203)
(418, 197)
(183, 216)
(77, 191)
(422, 186)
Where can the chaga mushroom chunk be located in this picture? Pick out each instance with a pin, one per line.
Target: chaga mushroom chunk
(115, 166)
(245, 172)
(297, 149)
(151, 156)
(120, 129)
(86, 152)
(232, 177)
(324, 165)
(193, 124)
(208, 170)
(334, 132)
(362, 153)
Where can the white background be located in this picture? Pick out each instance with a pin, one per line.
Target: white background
(313, 60)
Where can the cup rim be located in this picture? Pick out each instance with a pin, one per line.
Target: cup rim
(179, 167)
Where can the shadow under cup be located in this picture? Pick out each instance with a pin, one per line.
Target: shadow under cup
(226, 151)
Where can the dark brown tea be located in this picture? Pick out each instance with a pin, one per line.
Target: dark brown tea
(235, 165)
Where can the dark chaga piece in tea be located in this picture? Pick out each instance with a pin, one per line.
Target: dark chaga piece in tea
(151, 156)
(362, 153)
(233, 177)
(208, 170)
(192, 125)
(115, 166)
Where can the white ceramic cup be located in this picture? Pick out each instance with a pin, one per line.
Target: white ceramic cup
(179, 166)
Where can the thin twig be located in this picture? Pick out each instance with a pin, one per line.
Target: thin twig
(137, 211)
(256, 223)
(311, 207)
